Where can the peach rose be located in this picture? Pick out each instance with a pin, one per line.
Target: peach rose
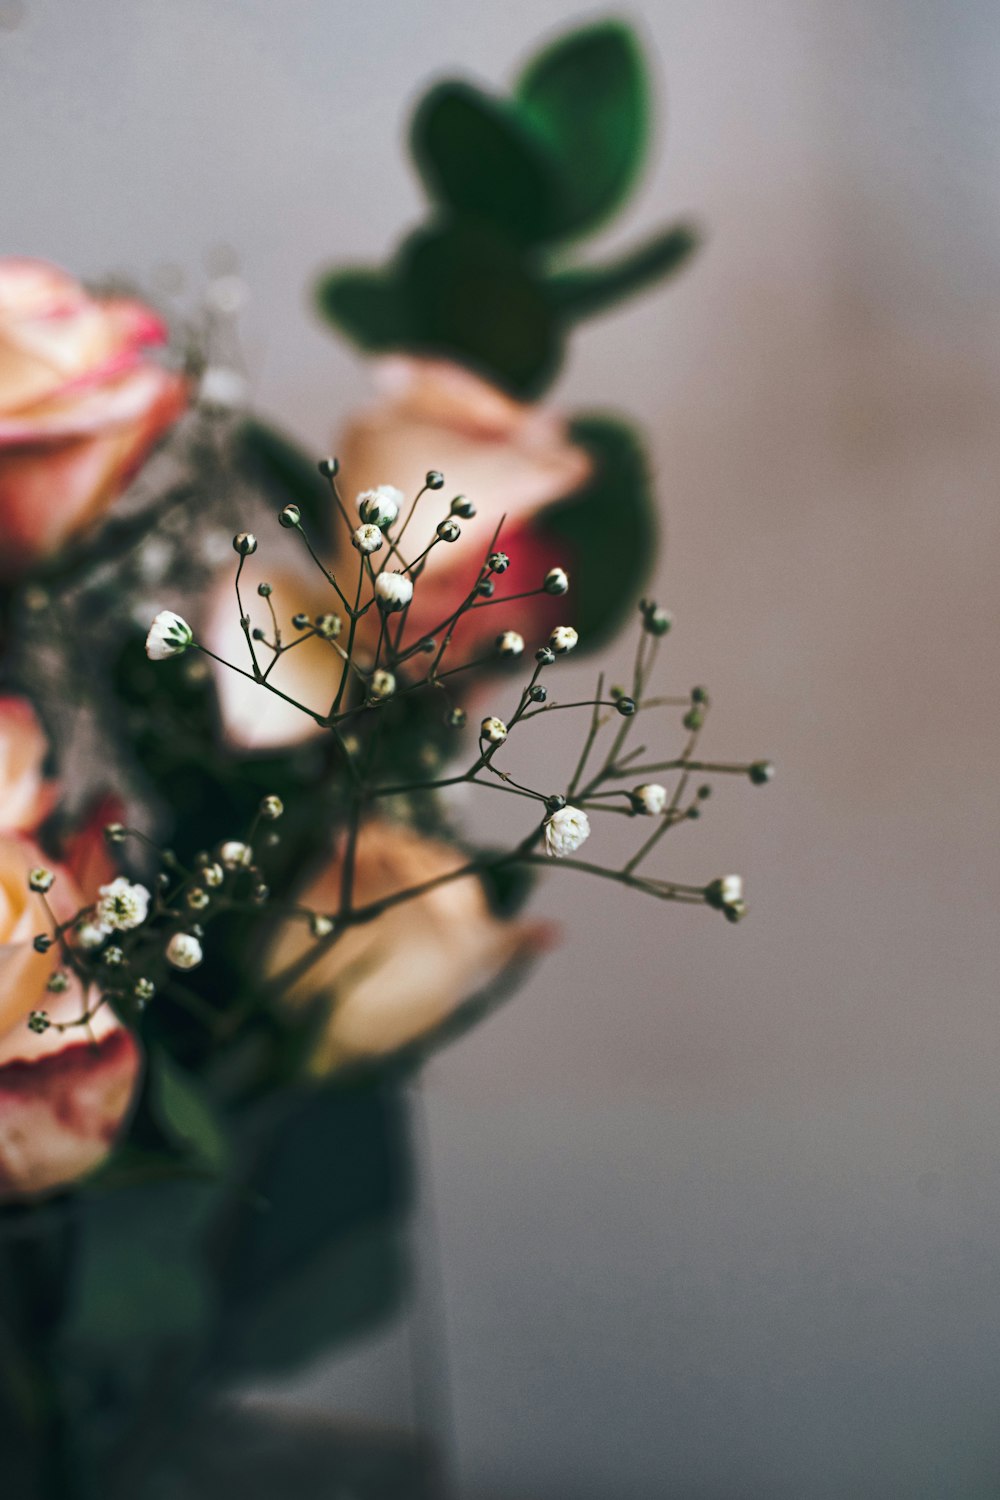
(508, 458)
(80, 407)
(400, 976)
(26, 797)
(64, 1096)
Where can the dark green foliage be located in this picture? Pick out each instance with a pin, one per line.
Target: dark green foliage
(608, 527)
(588, 290)
(512, 181)
(480, 161)
(588, 98)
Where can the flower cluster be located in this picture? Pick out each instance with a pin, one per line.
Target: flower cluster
(378, 664)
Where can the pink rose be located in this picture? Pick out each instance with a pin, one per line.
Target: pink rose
(26, 796)
(508, 458)
(80, 407)
(64, 1096)
(393, 979)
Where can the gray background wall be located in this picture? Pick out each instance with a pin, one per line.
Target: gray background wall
(718, 1210)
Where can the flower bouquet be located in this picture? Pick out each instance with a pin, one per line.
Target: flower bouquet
(240, 690)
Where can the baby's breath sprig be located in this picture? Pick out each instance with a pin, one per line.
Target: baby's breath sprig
(378, 661)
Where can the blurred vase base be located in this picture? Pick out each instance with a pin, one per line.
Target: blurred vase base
(262, 1453)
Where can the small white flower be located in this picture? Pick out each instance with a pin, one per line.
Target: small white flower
(730, 889)
(89, 935)
(563, 638)
(40, 880)
(328, 626)
(234, 854)
(222, 387)
(184, 951)
(380, 507)
(511, 643)
(556, 581)
(393, 591)
(565, 831)
(382, 685)
(169, 635)
(367, 539)
(493, 729)
(650, 798)
(121, 905)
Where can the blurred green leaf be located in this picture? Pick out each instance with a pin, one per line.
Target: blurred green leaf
(587, 290)
(366, 305)
(312, 1250)
(474, 298)
(587, 95)
(141, 1274)
(608, 528)
(278, 463)
(351, 1284)
(479, 161)
(180, 1104)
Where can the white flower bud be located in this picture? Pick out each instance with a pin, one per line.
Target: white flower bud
(650, 798)
(235, 855)
(328, 626)
(367, 539)
(169, 635)
(563, 638)
(511, 643)
(121, 905)
(184, 951)
(89, 935)
(40, 880)
(494, 730)
(382, 685)
(726, 894)
(380, 507)
(565, 831)
(556, 581)
(393, 591)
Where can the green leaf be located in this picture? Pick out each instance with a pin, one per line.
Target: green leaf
(365, 305)
(479, 161)
(351, 1284)
(278, 463)
(181, 1107)
(475, 298)
(588, 97)
(608, 528)
(141, 1274)
(587, 290)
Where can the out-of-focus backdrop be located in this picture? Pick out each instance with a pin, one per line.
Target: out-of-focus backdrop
(708, 1211)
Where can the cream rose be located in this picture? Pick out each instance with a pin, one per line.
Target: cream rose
(80, 406)
(64, 1096)
(394, 979)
